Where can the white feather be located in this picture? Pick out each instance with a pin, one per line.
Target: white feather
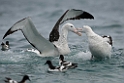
(98, 46)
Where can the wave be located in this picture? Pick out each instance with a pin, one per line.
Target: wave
(83, 55)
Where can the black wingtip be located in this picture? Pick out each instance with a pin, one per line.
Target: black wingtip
(87, 15)
(8, 32)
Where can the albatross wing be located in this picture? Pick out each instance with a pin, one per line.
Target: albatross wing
(28, 29)
(71, 14)
(108, 39)
(76, 14)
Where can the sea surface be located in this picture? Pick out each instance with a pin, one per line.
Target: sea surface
(108, 20)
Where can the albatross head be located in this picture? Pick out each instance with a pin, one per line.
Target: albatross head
(86, 29)
(71, 27)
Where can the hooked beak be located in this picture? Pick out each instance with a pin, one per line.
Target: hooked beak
(77, 31)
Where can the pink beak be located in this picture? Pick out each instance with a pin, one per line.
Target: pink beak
(77, 31)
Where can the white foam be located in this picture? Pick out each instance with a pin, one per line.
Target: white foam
(84, 55)
(34, 51)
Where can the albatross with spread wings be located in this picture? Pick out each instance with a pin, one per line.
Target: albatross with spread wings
(59, 43)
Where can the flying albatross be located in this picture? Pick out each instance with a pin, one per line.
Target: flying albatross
(59, 43)
(100, 46)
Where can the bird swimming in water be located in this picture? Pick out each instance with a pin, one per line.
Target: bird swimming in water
(5, 46)
(9, 80)
(55, 68)
(66, 63)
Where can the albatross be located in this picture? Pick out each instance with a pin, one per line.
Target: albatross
(99, 46)
(57, 43)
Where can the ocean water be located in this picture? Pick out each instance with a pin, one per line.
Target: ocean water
(109, 20)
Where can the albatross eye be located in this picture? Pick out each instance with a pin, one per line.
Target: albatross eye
(71, 26)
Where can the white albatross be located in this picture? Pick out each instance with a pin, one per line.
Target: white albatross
(59, 43)
(100, 46)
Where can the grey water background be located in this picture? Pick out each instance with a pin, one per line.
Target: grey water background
(109, 20)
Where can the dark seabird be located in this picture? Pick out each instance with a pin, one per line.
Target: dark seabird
(66, 63)
(9, 80)
(55, 68)
(5, 46)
